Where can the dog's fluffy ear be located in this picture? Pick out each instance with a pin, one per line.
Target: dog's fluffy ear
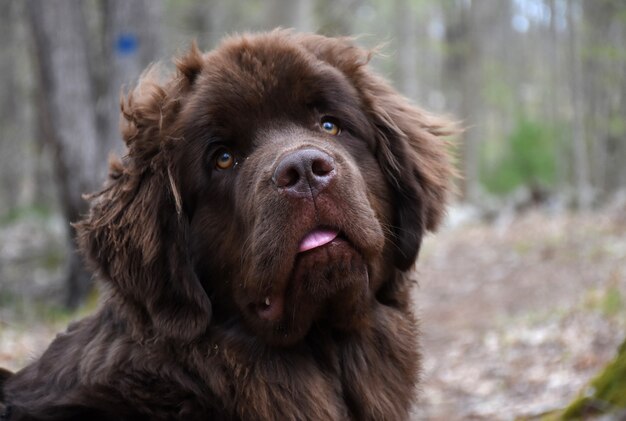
(135, 235)
(412, 147)
(413, 153)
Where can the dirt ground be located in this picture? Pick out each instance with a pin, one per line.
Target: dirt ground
(519, 314)
(516, 314)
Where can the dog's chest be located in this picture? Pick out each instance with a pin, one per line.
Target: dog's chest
(361, 377)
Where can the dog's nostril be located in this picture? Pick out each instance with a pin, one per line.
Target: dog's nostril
(289, 178)
(322, 167)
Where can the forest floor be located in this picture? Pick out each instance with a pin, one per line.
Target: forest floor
(516, 314)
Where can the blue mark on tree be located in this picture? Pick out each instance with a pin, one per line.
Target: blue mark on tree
(126, 44)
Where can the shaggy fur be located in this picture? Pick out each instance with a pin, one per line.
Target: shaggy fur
(211, 308)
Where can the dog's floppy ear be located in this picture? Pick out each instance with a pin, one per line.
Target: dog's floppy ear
(412, 150)
(413, 153)
(135, 235)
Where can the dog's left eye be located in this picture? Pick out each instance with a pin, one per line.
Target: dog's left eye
(224, 159)
(330, 126)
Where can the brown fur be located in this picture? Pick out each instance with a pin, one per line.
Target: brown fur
(186, 253)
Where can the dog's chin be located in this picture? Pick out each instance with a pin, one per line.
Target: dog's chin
(328, 284)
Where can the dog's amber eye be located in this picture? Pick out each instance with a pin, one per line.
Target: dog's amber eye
(224, 160)
(330, 127)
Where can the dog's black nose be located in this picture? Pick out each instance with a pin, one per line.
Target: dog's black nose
(304, 172)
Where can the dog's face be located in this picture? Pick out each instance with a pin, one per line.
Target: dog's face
(299, 182)
(286, 201)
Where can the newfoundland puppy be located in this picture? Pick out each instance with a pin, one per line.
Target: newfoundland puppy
(254, 247)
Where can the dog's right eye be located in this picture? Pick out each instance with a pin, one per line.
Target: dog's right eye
(224, 159)
(330, 126)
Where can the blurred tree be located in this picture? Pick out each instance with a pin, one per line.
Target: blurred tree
(61, 44)
(463, 60)
(529, 160)
(582, 178)
(15, 140)
(331, 16)
(604, 69)
(74, 73)
(406, 35)
(132, 39)
(553, 96)
(8, 105)
(296, 13)
(211, 20)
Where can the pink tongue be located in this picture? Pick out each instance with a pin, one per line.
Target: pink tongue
(317, 238)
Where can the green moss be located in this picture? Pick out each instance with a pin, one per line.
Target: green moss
(608, 300)
(607, 392)
(613, 302)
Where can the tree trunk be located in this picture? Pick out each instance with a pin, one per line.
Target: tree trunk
(562, 164)
(463, 68)
(60, 42)
(293, 13)
(14, 159)
(332, 18)
(406, 34)
(584, 193)
(605, 31)
(132, 37)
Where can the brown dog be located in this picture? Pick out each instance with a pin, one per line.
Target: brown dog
(253, 246)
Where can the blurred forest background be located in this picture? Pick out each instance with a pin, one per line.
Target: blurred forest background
(522, 294)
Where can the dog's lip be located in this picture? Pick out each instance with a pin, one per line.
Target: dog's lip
(317, 237)
(272, 307)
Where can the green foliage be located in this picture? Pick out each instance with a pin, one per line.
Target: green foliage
(527, 159)
(25, 212)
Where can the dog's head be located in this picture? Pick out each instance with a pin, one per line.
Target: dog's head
(275, 180)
